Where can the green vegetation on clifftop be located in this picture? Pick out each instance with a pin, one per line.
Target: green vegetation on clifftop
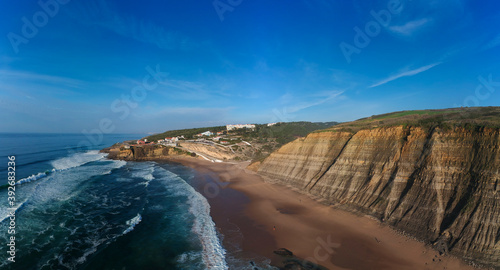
(469, 118)
(281, 132)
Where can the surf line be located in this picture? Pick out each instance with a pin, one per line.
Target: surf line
(12, 211)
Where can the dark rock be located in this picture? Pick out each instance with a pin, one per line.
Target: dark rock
(284, 252)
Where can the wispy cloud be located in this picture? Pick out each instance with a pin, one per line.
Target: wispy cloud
(405, 74)
(197, 111)
(492, 43)
(189, 89)
(318, 100)
(25, 76)
(186, 86)
(99, 12)
(410, 27)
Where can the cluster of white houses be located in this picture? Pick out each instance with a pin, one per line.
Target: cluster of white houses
(209, 133)
(172, 141)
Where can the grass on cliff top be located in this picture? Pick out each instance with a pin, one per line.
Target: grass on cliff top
(282, 132)
(471, 117)
(187, 133)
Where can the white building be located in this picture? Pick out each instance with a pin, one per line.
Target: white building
(238, 126)
(207, 133)
(171, 139)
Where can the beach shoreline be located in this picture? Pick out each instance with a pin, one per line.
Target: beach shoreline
(270, 216)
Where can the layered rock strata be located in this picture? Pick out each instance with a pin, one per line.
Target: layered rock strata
(439, 185)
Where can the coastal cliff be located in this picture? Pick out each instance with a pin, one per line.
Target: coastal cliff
(437, 183)
(142, 153)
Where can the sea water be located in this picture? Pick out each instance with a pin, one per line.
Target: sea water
(76, 209)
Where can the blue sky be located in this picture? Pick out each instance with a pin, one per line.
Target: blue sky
(160, 65)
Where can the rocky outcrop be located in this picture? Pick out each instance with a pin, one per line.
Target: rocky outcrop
(439, 185)
(140, 153)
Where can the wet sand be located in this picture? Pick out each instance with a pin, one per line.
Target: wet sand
(268, 216)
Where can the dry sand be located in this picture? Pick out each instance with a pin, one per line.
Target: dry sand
(270, 216)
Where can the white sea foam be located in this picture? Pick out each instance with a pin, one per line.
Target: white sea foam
(191, 259)
(94, 244)
(31, 178)
(132, 223)
(213, 253)
(77, 159)
(145, 173)
(5, 212)
(65, 184)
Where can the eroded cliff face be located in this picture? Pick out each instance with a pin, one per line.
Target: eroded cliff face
(140, 153)
(435, 184)
(210, 150)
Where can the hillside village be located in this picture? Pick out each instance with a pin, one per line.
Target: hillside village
(222, 137)
(230, 142)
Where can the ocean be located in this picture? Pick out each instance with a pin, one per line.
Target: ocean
(75, 209)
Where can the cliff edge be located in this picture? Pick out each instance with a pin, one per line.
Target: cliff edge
(431, 175)
(143, 153)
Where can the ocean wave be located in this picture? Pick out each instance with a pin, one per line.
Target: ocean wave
(94, 244)
(191, 259)
(33, 177)
(65, 163)
(77, 159)
(132, 223)
(66, 184)
(70, 148)
(5, 212)
(145, 172)
(213, 253)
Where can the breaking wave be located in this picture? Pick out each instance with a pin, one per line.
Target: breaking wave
(132, 223)
(73, 161)
(213, 253)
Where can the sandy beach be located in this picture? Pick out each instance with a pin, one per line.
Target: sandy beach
(269, 217)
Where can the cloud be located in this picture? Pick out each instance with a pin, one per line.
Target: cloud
(492, 43)
(191, 90)
(286, 98)
(285, 114)
(409, 28)
(20, 84)
(99, 12)
(24, 76)
(319, 99)
(197, 111)
(178, 115)
(186, 86)
(405, 74)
